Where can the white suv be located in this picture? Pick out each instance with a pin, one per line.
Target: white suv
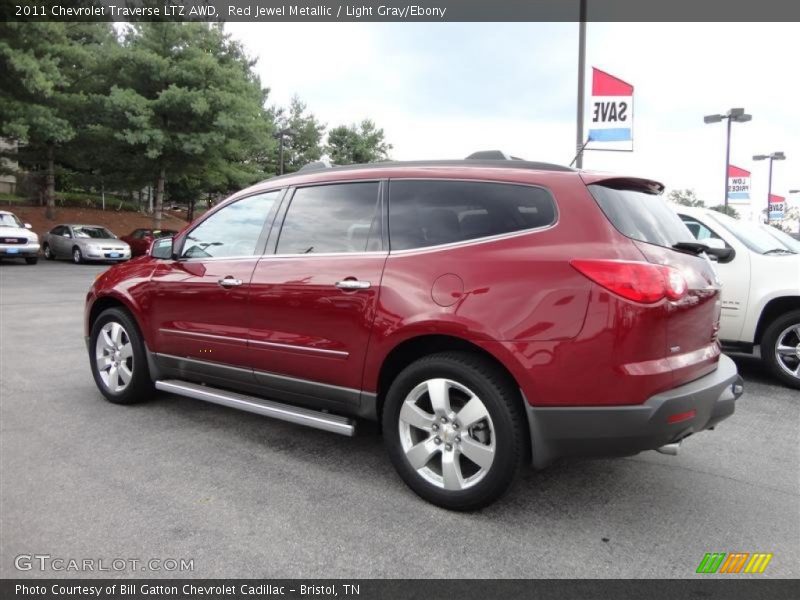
(16, 239)
(760, 289)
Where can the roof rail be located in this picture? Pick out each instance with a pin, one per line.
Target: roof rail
(492, 155)
(317, 165)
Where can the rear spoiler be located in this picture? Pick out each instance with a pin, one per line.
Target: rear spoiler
(623, 183)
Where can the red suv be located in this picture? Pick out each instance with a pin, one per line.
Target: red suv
(487, 313)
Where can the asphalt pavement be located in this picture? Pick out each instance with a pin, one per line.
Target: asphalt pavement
(245, 496)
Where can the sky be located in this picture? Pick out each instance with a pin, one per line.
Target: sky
(444, 90)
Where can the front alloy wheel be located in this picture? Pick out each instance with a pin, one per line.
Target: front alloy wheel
(114, 357)
(77, 257)
(118, 358)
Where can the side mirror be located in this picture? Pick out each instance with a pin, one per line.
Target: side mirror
(719, 250)
(161, 248)
(28, 226)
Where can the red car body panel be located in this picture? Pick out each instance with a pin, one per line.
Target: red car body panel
(566, 340)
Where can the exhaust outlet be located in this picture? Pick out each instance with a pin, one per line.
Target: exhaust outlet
(670, 449)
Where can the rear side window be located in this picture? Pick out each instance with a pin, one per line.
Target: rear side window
(641, 216)
(332, 218)
(432, 212)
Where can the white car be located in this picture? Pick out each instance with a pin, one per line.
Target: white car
(760, 289)
(16, 239)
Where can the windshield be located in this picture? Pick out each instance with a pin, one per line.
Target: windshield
(9, 220)
(783, 237)
(641, 216)
(98, 233)
(751, 235)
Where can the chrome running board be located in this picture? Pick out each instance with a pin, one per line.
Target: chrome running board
(259, 406)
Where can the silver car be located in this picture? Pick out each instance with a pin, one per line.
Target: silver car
(84, 243)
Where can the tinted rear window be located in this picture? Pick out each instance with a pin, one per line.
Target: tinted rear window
(641, 216)
(429, 213)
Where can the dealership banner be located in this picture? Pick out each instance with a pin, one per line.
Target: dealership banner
(610, 113)
(738, 185)
(777, 206)
(708, 588)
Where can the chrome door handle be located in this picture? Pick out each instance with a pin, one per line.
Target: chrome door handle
(352, 284)
(229, 282)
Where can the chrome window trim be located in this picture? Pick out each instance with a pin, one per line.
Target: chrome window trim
(212, 336)
(474, 241)
(375, 254)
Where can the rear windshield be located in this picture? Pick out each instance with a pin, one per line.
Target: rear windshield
(641, 216)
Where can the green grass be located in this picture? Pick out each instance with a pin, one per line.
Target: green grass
(10, 199)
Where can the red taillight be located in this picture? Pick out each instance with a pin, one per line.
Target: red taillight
(638, 281)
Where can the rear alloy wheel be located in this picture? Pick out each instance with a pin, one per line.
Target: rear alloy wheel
(77, 257)
(455, 429)
(118, 359)
(780, 348)
(48, 253)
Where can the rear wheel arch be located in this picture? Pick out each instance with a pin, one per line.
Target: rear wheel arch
(772, 310)
(412, 349)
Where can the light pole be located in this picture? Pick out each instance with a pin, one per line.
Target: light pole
(288, 131)
(739, 116)
(772, 157)
(579, 143)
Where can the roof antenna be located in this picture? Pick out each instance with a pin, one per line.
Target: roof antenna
(580, 152)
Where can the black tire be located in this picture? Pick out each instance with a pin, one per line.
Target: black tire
(769, 340)
(501, 400)
(31, 260)
(48, 253)
(140, 386)
(77, 255)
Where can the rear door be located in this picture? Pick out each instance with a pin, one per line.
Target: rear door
(199, 301)
(314, 299)
(637, 210)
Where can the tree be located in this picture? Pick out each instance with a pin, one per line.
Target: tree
(45, 72)
(188, 101)
(304, 143)
(726, 210)
(357, 144)
(685, 197)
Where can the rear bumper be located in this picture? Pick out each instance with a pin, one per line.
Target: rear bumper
(627, 430)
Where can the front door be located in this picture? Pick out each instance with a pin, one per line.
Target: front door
(314, 300)
(199, 301)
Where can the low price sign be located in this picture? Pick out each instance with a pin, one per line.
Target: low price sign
(777, 206)
(738, 185)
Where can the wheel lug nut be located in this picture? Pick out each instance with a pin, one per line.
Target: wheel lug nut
(435, 427)
(458, 439)
(455, 425)
(437, 440)
(444, 419)
(448, 446)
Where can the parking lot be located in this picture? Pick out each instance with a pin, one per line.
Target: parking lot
(245, 496)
